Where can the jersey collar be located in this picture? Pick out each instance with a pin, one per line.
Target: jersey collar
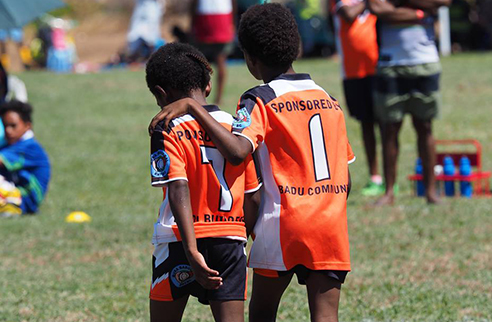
(293, 77)
(211, 108)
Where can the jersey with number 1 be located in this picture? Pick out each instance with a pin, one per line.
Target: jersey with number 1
(217, 188)
(298, 133)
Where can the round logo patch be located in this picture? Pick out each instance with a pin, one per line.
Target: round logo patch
(182, 275)
(159, 164)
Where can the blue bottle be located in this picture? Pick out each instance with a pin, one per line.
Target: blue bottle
(449, 170)
(419, 169)
(465, 170)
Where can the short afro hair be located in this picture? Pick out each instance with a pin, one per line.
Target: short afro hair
(178, 66)
(23, 109)
(269, 33)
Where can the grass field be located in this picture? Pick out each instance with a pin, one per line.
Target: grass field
(411, 261)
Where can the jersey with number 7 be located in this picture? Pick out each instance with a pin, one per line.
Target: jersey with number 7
(299, 137)
(217, 188)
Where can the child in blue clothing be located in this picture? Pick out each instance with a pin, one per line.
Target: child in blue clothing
(24, 165)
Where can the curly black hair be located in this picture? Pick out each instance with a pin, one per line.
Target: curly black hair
(178, 66)
(269, 33)
(23, 109)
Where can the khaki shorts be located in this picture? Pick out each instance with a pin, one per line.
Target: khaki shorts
(407, 89)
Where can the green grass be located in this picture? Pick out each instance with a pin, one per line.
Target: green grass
(411, 262)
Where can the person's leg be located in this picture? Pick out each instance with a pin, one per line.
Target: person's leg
(221, 76)
(323, 296)
(167, 311)
(265, 297)
(369, 138)
(427, 152)
(225, 311)
(389, 134)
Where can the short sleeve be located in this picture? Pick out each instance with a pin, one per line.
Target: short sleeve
(252, 177)
(350, 154)
(250, 121)
(167, 159)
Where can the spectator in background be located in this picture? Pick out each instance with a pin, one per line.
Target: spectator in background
(144, 33)
(407, 82)
(14, 34)
(24, 166)
(213, 32)
(11, 88)
(358, 49)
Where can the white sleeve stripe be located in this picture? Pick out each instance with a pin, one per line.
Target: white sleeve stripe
(222, 117)
(352, 161)
(254, 189)
(250, 141)
(163, 182)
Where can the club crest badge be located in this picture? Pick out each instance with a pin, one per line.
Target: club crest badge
(182, 275)
(159, 164)
(242, 119)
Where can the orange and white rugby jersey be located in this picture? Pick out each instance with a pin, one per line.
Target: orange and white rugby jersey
(301, 146)
(186, 152)
(356, 42)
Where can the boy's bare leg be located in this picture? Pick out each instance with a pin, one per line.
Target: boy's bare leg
(369, 139)
(389, 134)
(323, 296)
(265, 297)
(221, 76)
(167, 311)
(427, 152)
(225, 311)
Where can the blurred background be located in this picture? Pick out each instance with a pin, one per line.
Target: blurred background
(96, 31)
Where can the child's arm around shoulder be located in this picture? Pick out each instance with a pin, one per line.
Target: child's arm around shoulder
(179, 200)
(235, 149)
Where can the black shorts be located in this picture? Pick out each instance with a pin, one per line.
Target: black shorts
(172, 277)
(302, 273)
(359, 97)
(212, 51)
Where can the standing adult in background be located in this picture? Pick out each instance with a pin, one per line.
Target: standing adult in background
(145, 29)
(407, 82)
(213, 31)
(357, 46)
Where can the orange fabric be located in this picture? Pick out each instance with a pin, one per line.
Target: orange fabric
(357, 42)
(161, 291)
(266, 272)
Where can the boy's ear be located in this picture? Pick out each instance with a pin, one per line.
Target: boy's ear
(208, 89)
(160, 96)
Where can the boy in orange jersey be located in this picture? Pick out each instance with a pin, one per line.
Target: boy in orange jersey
(358, 50)
(200, 234)
(298, 136)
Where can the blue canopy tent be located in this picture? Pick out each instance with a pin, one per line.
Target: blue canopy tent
(17, 13)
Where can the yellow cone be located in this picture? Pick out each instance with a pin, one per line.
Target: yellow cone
(78, 217)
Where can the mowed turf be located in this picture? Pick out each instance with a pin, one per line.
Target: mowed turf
(411, 261)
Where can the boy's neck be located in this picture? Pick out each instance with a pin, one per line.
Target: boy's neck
(198, 96)
(268, 73)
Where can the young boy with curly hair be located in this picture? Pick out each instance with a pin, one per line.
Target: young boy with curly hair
(200, 234)
(297, 134)
(24, 165)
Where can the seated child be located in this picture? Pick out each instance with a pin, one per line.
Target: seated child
(297, 132)
(200, 234)
(24, 165)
